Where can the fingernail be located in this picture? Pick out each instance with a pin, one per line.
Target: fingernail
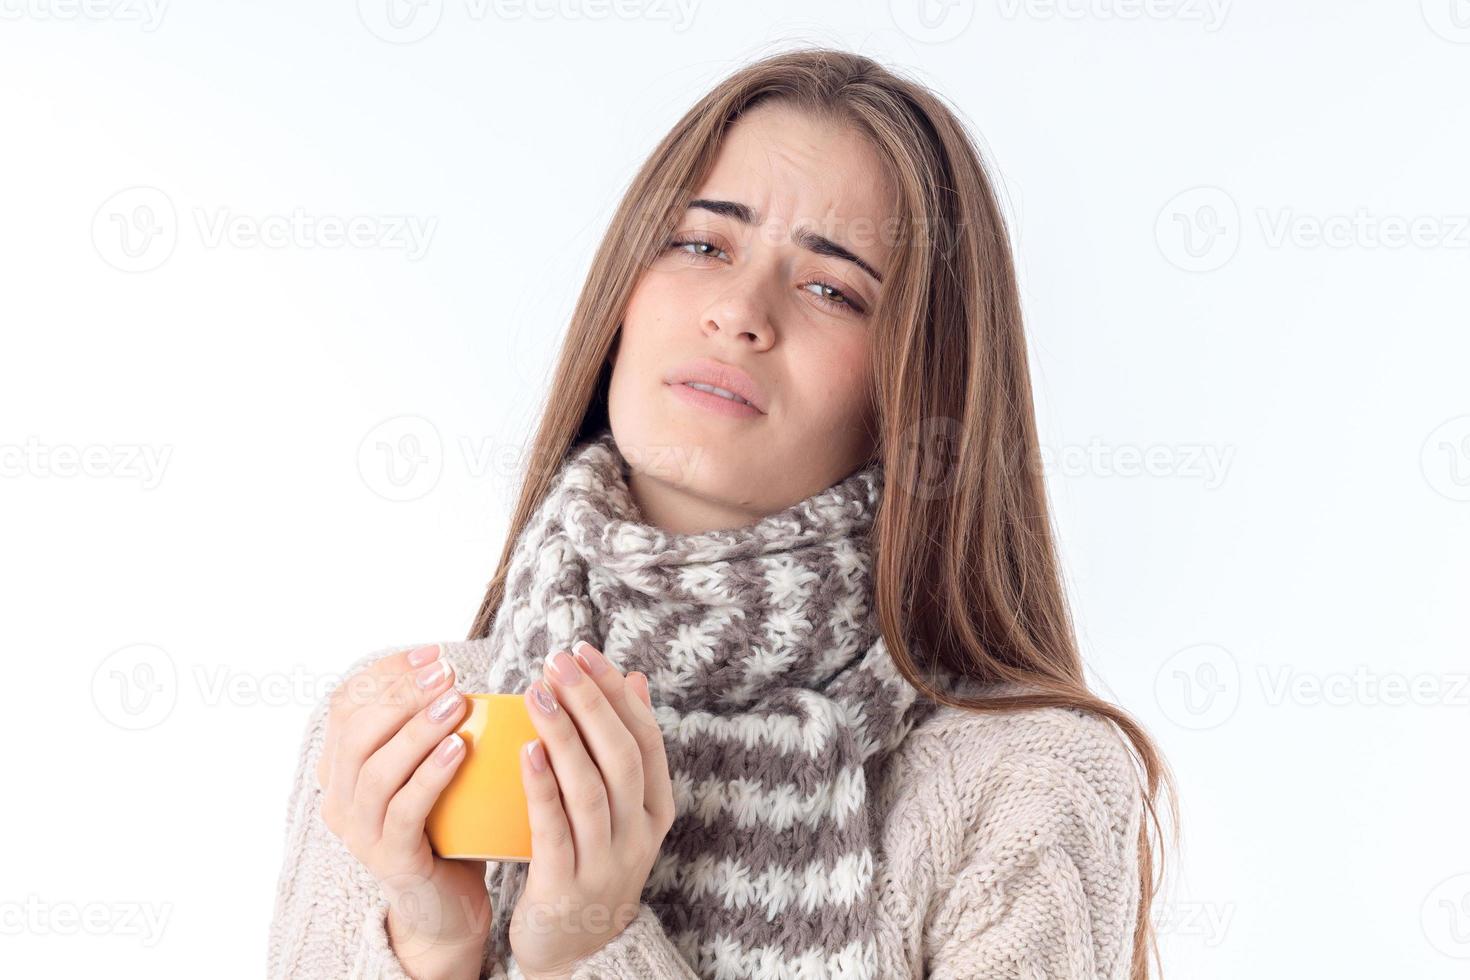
(563, 667)
(444, 705)
(448, 749)
(592, 662)
(541, 694)
(536, 754)
(432, 674)
(422, 655)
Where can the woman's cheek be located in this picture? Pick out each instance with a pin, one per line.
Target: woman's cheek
(849, 368)
(835, 405)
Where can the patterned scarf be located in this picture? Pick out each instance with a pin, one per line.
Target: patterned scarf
(775, 692)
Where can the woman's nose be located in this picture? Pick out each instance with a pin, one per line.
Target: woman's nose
(741, 314)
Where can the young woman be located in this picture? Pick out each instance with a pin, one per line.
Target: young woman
(781, 593)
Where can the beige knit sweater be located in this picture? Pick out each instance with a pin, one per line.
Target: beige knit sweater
(1010, 850)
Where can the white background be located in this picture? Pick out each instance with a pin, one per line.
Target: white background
(1209, 205)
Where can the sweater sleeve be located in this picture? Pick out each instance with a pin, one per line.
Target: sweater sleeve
(642, 951)
(1048, 884)
(330, 917)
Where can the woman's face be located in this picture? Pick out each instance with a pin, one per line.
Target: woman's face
(771, 274)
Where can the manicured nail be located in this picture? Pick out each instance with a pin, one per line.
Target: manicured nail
(536, 754)
(592, 662)
(432, 674)
(448, 749)
(541, 694)
(444, 705)
(422, 655)
(563, 667)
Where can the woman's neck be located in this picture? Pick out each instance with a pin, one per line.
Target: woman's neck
(679, 510)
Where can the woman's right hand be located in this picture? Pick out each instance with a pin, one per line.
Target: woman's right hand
(390, 750)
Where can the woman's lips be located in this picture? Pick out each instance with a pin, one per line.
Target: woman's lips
(715, 403)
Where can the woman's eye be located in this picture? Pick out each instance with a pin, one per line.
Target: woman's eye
(833, 297)
(827, 294)
(700, 249)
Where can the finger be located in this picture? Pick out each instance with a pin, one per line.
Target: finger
(553, 851)
(403, 820)
(658, 788)
(362, 688)
(370, 727)
(625, 777)
(367, 686)
(584, 795)
(386, 771)
(604, 732)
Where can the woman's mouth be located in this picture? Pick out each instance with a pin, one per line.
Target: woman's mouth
(715, 399)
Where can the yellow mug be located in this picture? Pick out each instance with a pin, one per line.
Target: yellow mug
(482, 814)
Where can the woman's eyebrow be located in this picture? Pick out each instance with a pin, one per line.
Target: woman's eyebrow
(803, 237)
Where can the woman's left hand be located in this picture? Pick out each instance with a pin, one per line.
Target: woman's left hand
(599, 812)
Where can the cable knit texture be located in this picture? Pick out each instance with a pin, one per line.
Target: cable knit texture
(831, 823)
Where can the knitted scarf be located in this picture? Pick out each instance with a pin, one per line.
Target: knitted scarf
(776, 694)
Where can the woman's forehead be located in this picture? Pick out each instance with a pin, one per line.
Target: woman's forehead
(778, 161)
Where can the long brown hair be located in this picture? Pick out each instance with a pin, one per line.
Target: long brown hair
(965, 566)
